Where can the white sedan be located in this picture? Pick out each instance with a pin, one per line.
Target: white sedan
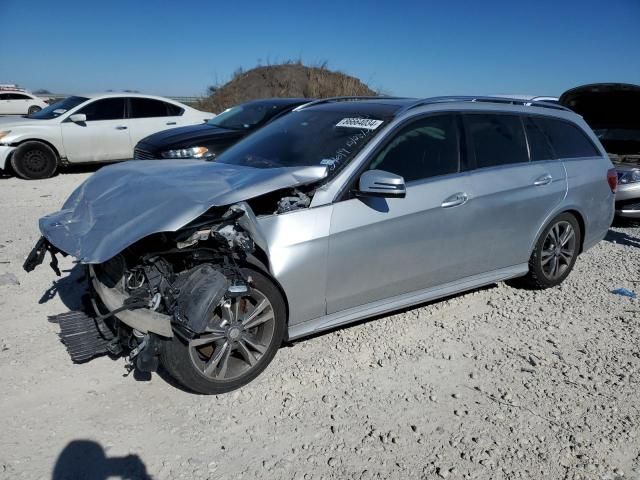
(87, 129)
(19, 102)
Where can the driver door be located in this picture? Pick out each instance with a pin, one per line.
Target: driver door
(383, 247)
(103, 137)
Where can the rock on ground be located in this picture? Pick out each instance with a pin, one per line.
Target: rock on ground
(498, 383)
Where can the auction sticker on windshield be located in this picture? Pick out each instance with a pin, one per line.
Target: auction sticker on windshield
(361, 123)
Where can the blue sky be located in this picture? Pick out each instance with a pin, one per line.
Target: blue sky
(413, 48)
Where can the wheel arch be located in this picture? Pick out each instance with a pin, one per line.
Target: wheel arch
(55, 149)
(260, 260)
(573, 211)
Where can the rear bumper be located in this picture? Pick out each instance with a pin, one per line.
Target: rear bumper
(5, 151)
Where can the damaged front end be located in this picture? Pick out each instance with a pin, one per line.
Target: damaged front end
(165, 285)
(172, 278)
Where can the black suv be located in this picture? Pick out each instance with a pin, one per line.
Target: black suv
(209, 140)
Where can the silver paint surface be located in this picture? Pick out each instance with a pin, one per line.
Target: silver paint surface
(121, 204)
(344, 259)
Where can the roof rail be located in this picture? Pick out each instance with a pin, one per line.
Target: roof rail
(499, 100)
(345, 99)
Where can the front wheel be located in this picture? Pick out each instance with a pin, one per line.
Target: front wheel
(555, 253)
(243, 337)
(33, 109)
(34, 160)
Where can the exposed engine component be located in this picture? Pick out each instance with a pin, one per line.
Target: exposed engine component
(293, 202)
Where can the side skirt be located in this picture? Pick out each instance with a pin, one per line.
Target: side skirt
(378, 307)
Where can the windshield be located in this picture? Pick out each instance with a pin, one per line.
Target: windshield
(58, 108)
(242, 117)
(305, 138)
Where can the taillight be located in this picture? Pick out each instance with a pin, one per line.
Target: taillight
(612, 179)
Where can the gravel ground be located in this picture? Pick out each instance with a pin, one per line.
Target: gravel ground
(496, 383)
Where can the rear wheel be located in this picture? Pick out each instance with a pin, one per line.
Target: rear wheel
(34, 160)
(244, 335)
(555, 253)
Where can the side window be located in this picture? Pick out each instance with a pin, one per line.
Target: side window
(20, 96)
(174, 110)
(425, 148)
(4, 96)
(147, 108)
(567, 140)
(107, 109)
(496, 139)
(538, 143)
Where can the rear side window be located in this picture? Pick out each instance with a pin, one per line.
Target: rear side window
(538, 143)
(148, 107)
(567, 140)
(174, 110)
(496, 139)
(425, 148)
(107, 109)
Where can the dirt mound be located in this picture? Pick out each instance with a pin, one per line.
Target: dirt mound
(286, 80)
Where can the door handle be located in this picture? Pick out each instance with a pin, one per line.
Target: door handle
(171, 123)
(455, 200)
(543, 180)
(121, 127)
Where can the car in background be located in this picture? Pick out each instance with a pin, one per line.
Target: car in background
(218, 134)
(19, 102)
(612, 110)
(86, 129)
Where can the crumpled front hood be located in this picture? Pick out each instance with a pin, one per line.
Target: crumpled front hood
(123, 203)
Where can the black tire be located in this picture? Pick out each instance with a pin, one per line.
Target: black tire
(33, 109)
(177, 357)
(34, 161)
(540, 271)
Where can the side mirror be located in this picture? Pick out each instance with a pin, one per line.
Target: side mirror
(378, 183)
(78, 118)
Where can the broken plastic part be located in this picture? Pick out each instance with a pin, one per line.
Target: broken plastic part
(196, 237)
(200, 292)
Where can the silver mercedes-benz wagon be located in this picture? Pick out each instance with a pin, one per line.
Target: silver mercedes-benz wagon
(343, 209)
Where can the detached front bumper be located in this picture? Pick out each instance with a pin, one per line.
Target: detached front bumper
(5, 152)
(143, 319)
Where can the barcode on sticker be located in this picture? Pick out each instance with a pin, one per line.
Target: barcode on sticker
(362, 123)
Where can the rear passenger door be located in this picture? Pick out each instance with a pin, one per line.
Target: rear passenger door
(148, 116)
(515, 185)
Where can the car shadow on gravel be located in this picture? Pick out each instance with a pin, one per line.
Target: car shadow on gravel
(388, 314)
(66, 170)
(71, 289)
(87, 459)
(622, 238)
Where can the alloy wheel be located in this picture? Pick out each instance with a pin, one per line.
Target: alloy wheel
(243, 330)
(558, 250)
